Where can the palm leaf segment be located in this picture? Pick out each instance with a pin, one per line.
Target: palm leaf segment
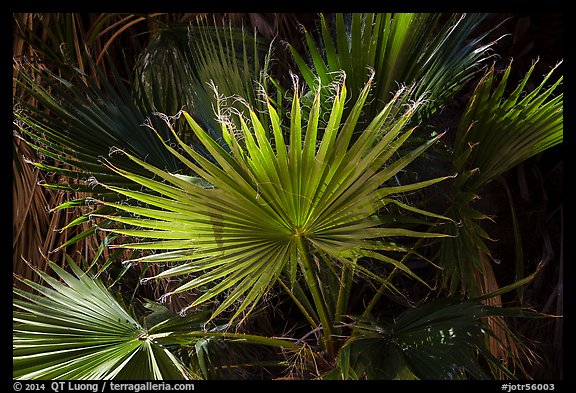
(76, 329)
(438, 56)
(439, 340)
(498, 131)
(271, 204)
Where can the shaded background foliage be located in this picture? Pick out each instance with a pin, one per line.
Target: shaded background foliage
(536, 186)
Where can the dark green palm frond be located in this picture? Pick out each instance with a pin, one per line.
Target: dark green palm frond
(81, 122)
(439, 340)
(163, 74)
(272, 205)
(498, 131)
(57, 49)
(402, 49)
(77, 122)
(182, 64)
(76, 329)
(501, 128)
(70, 109)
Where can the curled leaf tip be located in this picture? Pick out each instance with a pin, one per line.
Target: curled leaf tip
(162, 299)
(145, 280)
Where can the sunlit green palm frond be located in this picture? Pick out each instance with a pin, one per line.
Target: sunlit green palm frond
(498, 131)
(403, 49)
(76, 329)
(271, 204)
(438, 340)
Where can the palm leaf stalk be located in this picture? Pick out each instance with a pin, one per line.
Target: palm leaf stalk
(273, 209)
(216, 352)
(221, 354)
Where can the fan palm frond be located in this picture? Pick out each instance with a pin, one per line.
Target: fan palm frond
(76, 329)
(273, 209)
(403, 49)
(182, 64)
(500, 130)
(497, 132)
(437, 340)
